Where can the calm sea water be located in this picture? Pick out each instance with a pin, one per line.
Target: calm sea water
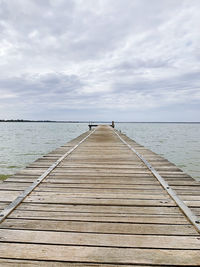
(22, 143)
(178, 142)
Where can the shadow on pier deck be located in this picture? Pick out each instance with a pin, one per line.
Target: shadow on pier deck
(99, 205)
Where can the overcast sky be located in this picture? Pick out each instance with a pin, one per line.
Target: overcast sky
(123, 60)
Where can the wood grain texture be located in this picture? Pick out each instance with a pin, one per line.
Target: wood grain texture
(101, 206)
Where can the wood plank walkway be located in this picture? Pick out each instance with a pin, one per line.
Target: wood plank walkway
(101, 206)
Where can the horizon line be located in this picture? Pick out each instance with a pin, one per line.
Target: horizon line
(92, 121)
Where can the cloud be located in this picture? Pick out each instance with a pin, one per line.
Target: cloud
(80, 58)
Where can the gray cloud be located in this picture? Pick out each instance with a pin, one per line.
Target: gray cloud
(104, 57)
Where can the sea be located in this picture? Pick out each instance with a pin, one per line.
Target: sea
(23, 142)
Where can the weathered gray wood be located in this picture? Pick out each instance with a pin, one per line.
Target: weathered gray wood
(100, 227)
(120, 209)
(100, 207)
(42, 263)
(9, 196)
(98, 217)
(100, 254)
(99, 240)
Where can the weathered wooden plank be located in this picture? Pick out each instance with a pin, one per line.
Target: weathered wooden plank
(109, 190)
(99, 240)
(3, 205)
(64, 177)
(86, 173)
(99, 217)
(100, 227)
(42, 263)
(8, 196)
(117, 165)
(75, 184)
(61, 198)
(112, 196)
(104, 190)
(95, 171)
(100, 254)
(100, 208)
(112, 186)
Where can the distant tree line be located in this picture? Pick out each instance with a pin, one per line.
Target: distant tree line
(25, 121)
(40, 121)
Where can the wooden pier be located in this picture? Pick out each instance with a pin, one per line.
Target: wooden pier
(98, 201)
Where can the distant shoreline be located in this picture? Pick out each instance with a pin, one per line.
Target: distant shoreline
(43, 121)
(49, 121)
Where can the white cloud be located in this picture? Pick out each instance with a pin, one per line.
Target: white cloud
(129, 55)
